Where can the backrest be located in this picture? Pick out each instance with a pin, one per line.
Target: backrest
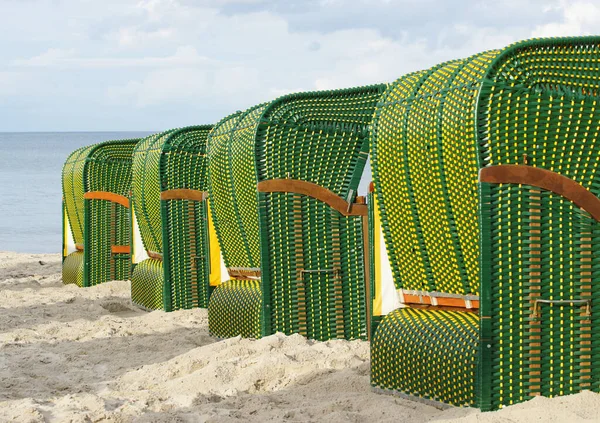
(147, 185)
(73, 188)
(425, 172)
(232, 190)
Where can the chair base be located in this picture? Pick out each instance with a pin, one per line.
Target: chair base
(427, 354)
(235, 309)
(72, 269)
(147, 283)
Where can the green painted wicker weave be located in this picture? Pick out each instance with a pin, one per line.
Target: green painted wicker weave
(300, 149)
(170, 208)
(313, 256)
(525, 117)
(96, 183)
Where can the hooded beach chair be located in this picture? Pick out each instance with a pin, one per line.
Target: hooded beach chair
(296, 164)
(174, 258)
(486, 180)
(96, 182)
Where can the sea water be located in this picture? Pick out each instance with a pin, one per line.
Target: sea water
(30, 185)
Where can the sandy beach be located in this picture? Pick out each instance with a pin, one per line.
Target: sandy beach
(88, 355)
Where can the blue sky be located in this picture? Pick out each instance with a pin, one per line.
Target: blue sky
(157, 64)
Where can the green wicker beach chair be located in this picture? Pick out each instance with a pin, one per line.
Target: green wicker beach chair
(174, 259)
(486, 183)
(304, 154)
(96, 183)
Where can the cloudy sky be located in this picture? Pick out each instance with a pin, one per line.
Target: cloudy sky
(157, 64)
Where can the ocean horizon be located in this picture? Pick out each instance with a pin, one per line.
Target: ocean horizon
(30, 185)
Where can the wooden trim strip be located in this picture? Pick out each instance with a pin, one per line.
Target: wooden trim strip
(298, 222)
(545, 179)
(193, 241)
(367, 273)
(120, 249)
(243, 273)
(315, 191)
(154, 255)
(184, 194)
(108, 196)
(441, 301)
(434, 299)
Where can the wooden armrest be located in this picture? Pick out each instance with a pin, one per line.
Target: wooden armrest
(545, 179)
(315, 191)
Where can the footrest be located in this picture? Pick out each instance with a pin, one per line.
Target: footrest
(429, 354)
(72, 269)
(147, 283)
(234, 309)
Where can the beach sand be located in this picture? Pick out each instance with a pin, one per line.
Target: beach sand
(88, 355)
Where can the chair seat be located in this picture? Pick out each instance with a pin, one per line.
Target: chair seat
(427, 353)
(72, 271)
(147, 283)
(234, 309)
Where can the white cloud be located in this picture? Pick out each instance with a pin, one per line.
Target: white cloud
(156, 9)
(183, 56)
(278, 92)
(165, 85)
(161, 59)
(579, 18)
(132, 37)
(10, 83)
(48, 58)
(228, 86)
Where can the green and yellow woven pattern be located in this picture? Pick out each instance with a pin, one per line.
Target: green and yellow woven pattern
(221, 192)
(431, 354)
(108, 169)
(321, 138)
(72, 269)
(146, 188)
(243, 178)
(175, 228)
(424, 161)
(73, 188)
(147, 284)
(540, 102)
(233, 187)
(313, 256)
(235, 309)
(73, 185)
(546, 249)
(233, 195)
(532, 103)
(97, 225)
